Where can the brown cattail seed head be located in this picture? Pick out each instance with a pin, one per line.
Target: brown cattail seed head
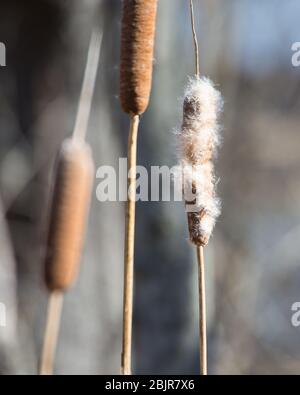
(71, 200)
(198, 139)
(137, 42)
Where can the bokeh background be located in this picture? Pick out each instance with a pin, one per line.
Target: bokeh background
(253, 273)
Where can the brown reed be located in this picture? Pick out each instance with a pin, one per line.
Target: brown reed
(55, 303)
(137, 44)
(71, 200)
(69, 211)
(129, 250)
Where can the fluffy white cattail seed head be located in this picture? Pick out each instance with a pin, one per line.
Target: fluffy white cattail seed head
(198, 139)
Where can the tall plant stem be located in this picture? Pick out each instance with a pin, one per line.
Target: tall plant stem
(55, 300)
(129, 247)
(200, 249)
(88, 86)
(202, 311)
(196, 46)
(51, 332)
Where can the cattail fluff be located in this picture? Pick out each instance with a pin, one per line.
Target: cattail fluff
(198, 140)
(137, 42)
(71, 199)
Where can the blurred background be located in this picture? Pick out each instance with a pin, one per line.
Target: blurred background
(252, 260)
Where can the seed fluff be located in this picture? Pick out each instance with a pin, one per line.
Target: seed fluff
(198, 139)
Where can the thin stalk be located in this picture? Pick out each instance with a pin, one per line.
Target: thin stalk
(129, 247)
(196, 46)
(55, 303)
(200, 249)
(202, 311)
(88, 86)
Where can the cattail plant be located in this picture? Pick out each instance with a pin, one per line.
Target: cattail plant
(70, 206)
(137, 42)
(198, 139)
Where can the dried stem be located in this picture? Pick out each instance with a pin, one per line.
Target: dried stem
(202, 311)
(197, 66)
(200, 250)
(129, 247)
(88, 86)
(55, 300)
(51, 332)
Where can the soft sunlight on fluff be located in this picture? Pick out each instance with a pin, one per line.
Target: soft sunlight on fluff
(198, 139)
